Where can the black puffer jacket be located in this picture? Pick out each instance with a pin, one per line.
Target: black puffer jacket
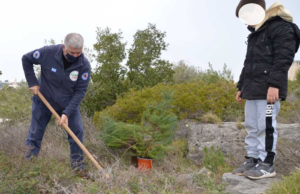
(270, 53)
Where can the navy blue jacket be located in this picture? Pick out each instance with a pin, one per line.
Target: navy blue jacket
(64, 89)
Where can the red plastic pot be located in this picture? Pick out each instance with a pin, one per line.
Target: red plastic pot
(144, 164)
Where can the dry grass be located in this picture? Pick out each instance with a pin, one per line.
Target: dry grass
(51, 173)
(211, 118)
(239, 124)
(288, 156)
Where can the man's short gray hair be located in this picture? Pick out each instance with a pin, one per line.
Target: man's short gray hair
(74, 40)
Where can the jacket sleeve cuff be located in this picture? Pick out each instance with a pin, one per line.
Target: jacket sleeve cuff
(273, 86)
(66, 112)
(33, 84)
(239, 87)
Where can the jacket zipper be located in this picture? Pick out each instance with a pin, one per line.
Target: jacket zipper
(252, 66)
(264, 35)
(269, 50)
(61, 90)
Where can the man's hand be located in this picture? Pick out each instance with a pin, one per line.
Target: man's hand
(273, 95)
(238, 97)
(63, 119)
(35, 89)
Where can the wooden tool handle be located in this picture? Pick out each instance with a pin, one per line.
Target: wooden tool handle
(70, 132)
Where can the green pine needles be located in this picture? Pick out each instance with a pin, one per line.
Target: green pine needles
(154, 138)
(117, 134)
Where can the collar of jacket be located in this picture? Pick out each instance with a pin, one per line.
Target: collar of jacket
(58, 57)
(252, 30)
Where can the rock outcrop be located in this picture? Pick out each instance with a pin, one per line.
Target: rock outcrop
(227, 137)
(242, 185)
(230, 140)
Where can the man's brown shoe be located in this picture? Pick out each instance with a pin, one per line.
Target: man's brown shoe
(83, 174)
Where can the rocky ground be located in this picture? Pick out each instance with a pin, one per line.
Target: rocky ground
(230, 140)
(242, 185)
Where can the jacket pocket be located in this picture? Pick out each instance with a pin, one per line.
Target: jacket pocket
(262, 72)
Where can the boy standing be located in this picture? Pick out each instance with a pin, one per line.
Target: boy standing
(263, 82)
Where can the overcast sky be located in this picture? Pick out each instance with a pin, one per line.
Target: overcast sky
(198, 31)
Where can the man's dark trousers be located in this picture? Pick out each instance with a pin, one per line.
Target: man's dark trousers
(41, 116)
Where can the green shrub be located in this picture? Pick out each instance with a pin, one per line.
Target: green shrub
(214, 160)
(108, 76)
(38, 175)
(294, 86)
(15, 104)
(289, 112)
(211, 75)
(290, 184)
(209, 184)
(151, 138)
(117, 134)
(98, 97)
(190, 100)
(180, 148)
(184, 73)
(157, 130)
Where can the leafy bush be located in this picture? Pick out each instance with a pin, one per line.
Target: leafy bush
(97, 98)
(191, 100)
(185, 73)
(213, 76)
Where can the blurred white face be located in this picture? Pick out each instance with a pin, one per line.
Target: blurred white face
(252, 14)
(72, 51)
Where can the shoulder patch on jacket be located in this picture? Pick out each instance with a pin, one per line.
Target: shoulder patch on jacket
(36, 54)
(85, 76)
